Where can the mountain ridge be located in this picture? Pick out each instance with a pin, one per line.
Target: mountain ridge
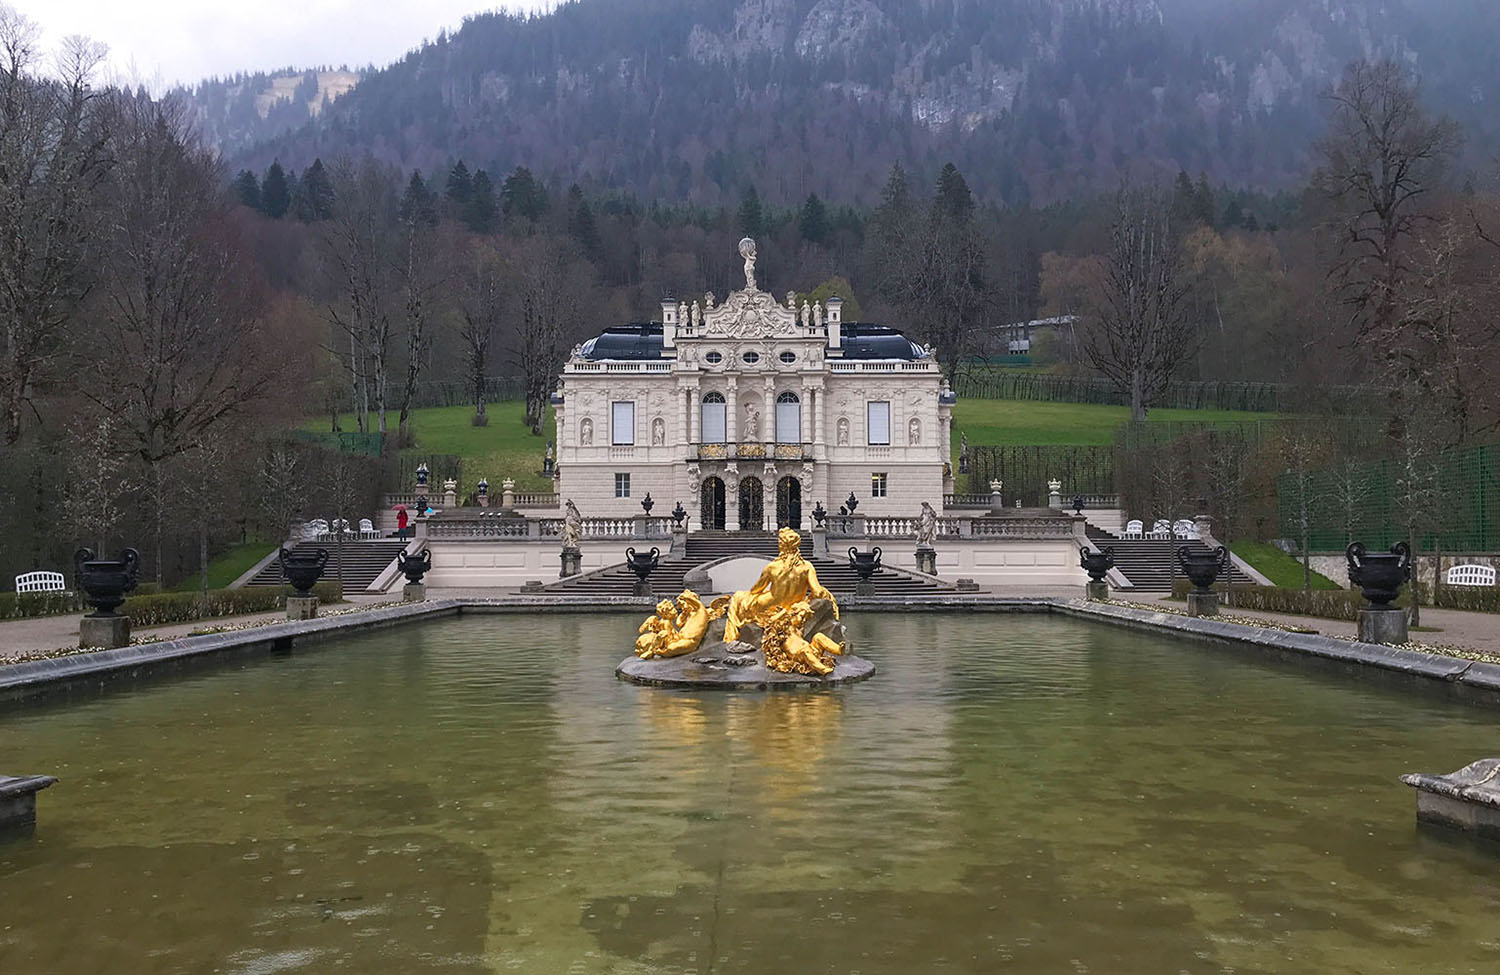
(693, 101)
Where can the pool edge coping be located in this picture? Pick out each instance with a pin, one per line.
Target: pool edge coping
(26, 678)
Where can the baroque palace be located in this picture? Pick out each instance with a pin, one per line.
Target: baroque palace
(751, 411)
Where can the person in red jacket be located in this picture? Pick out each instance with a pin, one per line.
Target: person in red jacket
(401, 523)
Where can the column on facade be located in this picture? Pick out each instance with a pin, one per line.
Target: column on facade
(768, 431)
(804, 415)
(691, 420)
(732, 411)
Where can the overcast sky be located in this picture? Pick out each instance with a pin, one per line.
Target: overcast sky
(161, 42)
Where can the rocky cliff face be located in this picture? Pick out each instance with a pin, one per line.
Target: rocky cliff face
(694, 98)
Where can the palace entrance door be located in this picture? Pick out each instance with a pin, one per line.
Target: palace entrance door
(711, 504)
(752, 505)
(789, 503)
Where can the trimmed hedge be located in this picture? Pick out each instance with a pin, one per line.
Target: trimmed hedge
(1329, 604)
(160, 608)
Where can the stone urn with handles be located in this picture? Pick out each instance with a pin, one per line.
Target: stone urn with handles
(1379, 575)
(303, 569)
(106, 581)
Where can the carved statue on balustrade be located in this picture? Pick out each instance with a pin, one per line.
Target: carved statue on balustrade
(572, 529)
(747, 251)
(927, 526)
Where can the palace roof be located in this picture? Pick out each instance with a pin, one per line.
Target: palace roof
(642, 341)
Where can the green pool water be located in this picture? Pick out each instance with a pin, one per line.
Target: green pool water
(1015, 793)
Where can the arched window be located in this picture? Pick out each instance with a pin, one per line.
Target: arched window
(788, 418)
(715, 415)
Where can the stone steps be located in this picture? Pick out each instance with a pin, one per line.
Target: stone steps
(363, 563)
(1150, 563)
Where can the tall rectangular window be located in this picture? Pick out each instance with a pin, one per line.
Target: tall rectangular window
(622, 485)
(715, 415)
(622, 424)
(877, 485)
(878, 423)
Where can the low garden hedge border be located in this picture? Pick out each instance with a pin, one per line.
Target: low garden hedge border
(1345, 604)
(160, 608)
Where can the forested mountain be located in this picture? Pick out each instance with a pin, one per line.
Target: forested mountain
(693, 100)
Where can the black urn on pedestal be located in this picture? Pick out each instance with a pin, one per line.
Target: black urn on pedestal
(1379, 575)
(1077, 504)
(303, 569)
(414, 567)
(1203, 568)
(865, 564)
(1096, 564)
(819, 514)
(106, 581)
(642, 564)
(851, 503)
(678, 514)
(647, 504)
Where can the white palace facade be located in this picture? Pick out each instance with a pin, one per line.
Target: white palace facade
(750, 412)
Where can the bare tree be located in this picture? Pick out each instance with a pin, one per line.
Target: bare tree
(53, 154)
(178, 313)
(98, 480)
(551, 281)
(357, 243)
(481, 304)
(1139, 334)
(1382, 156)
(416, 272)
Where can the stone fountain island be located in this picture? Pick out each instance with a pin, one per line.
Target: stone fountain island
(786, 635)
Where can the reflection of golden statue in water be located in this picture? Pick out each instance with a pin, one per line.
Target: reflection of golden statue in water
(785, 582)
(676, 629)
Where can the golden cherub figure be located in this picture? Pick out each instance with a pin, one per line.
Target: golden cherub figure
(789, 652)
(788, 580)
(677, 629)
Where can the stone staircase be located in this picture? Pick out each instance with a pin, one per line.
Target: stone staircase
(711, 546)
(1151, 564)
(363, 562)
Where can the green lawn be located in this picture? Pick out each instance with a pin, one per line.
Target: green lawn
(503, 449)
(506, 448)
(1029, 422)
(1276, 565)
(229, 566)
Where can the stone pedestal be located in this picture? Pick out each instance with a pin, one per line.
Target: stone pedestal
(820, 539)
(642, 587)
(968, 585)
(18, 799)
(301, 607)
(1386, 626)
(1468, 799)
(864, 589)
(572, 563)
(1203, 603)
(927, 560)
(109, 632)
(532, 585)
(1098, 591)
(413, 592)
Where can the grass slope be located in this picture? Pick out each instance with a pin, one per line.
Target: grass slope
(1283, 570)
(228, 566)
(1028, 422)
(506, 448)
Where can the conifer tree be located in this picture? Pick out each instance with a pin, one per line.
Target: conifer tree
(275, 192)
(418, 205)
(522, 196)
(275, 195)
(314, 199)
(460, 185)
(813, 223)
(750, 218)
(479, 210)
(247, 187)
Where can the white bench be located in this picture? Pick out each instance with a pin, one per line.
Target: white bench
(54, 582)
(1470, 575)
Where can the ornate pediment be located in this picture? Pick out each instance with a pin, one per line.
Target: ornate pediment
(749, 315)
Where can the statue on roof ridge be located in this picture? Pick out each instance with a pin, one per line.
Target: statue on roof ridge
(747, 251)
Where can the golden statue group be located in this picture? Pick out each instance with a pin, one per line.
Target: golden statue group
(794, 615)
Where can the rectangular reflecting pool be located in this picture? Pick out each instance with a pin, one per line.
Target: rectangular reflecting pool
(1008, 793)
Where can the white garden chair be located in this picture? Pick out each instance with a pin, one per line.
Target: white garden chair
(1161, 528)
(1185, 529)
(43, 581)
(1133, 529)
(315, 530)
(1469, 575)
(367, 529)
